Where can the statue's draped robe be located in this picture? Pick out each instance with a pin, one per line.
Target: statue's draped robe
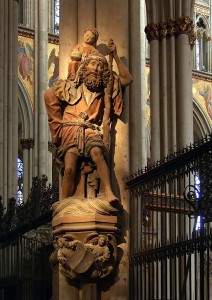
(65, 105)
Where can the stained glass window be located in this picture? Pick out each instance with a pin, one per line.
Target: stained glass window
(197, 193)
(56, 16)
(201, 48)
(20, 173)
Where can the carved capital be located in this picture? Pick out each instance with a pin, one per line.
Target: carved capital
(171, 30)
(152, 32)
(27, 143)
(183, 25)
(163, 30)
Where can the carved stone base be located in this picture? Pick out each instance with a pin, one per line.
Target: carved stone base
(85, 242)
(83, 215)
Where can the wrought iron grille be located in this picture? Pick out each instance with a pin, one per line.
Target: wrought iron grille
(24, 262)
(171, 235)
(23, 270)
(22, 217)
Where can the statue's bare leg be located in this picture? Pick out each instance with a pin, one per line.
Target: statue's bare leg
(69, 177)
(104, 173)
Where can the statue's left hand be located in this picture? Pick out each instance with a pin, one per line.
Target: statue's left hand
(111, 47)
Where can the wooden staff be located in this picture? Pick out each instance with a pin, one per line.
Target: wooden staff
(107, 102)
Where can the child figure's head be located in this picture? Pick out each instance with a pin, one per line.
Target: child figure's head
(76, 55)
(91, 36)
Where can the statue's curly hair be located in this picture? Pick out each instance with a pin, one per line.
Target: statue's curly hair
(94, 31)
(106, 72)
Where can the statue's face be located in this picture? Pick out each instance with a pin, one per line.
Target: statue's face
(94, 74)
(102, 241)
(89, 37)
(95, 67)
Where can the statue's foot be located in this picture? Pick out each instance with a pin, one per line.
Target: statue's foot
(111, 198)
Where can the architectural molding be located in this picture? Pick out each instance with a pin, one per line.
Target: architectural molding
(26, 32)
(53, 39)
(202, 76)
(202, 9)
(183, 25)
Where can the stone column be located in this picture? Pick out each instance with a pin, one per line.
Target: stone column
(137, 105)
(171, 81)
(184, 101)
(28, 13)
(8, 99)
(137, 125)
(155, 100)
(111, 18)
(68, 33)
(171, 88)
(51, 17)
(42, 157)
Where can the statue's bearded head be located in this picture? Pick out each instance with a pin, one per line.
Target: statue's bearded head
(94, 72)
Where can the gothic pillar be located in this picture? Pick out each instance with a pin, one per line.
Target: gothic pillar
(184, 101)
(75, 17)
(137, 125)
(8, 99)
(28, 13)
(155, 100)
(51, 17)
(137, 105)
(171, 39)
(42, 157)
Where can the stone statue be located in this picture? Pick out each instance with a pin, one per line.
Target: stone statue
(93, 258)
(82, 50)
(76, 111)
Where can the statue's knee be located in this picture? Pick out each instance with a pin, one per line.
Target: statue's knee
(69, 171)
(96, 154)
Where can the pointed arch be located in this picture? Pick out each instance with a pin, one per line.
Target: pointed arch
(25, 111)
(26, 134)
(202, 124)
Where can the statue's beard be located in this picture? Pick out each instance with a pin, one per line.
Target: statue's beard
(92, 81)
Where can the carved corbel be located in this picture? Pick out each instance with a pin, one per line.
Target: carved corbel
(93, 258)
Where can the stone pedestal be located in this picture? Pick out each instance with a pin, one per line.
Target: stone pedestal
(84, 224)
(85, 233)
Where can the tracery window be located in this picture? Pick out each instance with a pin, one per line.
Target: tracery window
(201, 59)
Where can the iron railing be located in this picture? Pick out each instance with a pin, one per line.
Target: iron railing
(171, 236)
(24, 270)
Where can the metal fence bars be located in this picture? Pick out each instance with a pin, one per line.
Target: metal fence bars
(23, 270)
(171, 233)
